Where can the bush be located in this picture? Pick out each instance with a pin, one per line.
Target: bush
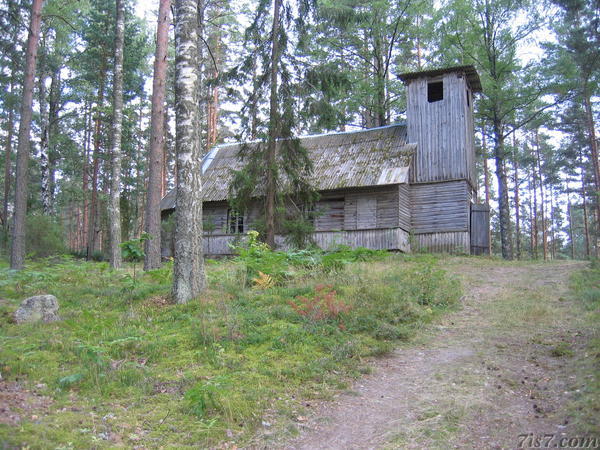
(45, 237)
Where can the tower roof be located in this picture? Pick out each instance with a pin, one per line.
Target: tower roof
(469, 71)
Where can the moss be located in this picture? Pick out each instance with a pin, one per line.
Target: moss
(132, 370)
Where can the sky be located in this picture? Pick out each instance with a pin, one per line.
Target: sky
(147, 8)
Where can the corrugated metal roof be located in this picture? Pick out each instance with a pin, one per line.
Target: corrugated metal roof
(371, 157)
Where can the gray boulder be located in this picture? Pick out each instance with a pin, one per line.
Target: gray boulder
(40, 308)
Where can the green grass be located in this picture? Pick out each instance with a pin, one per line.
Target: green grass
(126, 367)
(585, 286)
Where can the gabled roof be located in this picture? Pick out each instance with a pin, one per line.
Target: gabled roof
(470, 72)
(376, 156)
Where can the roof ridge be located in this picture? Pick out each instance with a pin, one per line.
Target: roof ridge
(309, 136)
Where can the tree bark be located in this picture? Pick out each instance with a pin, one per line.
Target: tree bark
(542, 196)
(114, 208)
(271, 157)
(570, 216)
(486, 182)
(517, 200)
(17, 254)
(7, 164)
(156, 155)
(593, 150)
(531, 216)
(85, 175)
(535, 213)
(93, 213)
(188, 269)
(505, 228)
(44, 138)
(586, 227)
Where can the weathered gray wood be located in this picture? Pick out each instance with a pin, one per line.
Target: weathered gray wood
(453, 242)
(480, 225)
(442, 130)
(404, 207)
(440, 207)
(382, 239)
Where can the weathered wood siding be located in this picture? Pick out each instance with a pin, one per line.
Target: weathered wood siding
(404, 207)
(454, 242)
(384, 239)
(440, 207)
(442, 130)
(480, 226)
(374, 208)
(330, 214)
(377, 217)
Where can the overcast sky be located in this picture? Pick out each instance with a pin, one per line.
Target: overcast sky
(147, 7)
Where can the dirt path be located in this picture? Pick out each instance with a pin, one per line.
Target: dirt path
(498, 368)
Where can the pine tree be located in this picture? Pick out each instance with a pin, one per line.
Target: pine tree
(117, 127)
(157, 139)
(17, 255)
(278, 168)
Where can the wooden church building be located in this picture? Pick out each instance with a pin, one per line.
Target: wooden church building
(399, 187)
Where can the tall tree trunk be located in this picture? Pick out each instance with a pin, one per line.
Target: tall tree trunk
(486, 182)
(531, 217)
(7, 164)
(85, 175)
(535, 213)
(542, 196)
(94, 223)
(17, 254)
(504, 211)
(517, 202)
(271, 157)
(114, 209)
(44, 142)
(589, 116)
(188, 268)
(53, 109)
(571, 226)
(156, 155)
(586, 227)
(552, 227)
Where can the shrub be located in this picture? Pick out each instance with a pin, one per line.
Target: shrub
(45, 237)
(323, 305)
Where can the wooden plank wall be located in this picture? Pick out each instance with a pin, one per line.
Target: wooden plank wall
(330, 214)
(439, 129)
(404, 207)
(440, 207)
(480, 226)
(454, 242)
(385, 239)
(375, 208)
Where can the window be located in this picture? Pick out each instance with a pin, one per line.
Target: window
(435, 91)
(235, 222)
(468, 98)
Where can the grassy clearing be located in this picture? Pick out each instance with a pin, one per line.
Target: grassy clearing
(586, 410)
(126, 367)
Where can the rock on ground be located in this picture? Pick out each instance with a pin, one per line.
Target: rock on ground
(40, 308)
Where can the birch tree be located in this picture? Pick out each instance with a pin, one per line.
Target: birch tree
(188, 269)
(17, 253)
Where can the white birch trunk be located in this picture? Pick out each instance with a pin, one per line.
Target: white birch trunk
(188, 268)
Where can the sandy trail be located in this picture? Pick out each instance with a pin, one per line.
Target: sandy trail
(484, 376)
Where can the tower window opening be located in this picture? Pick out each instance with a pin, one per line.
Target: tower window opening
(435, 91)
(468, 98)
